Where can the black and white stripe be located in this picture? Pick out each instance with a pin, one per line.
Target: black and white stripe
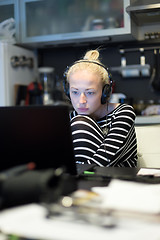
(117, 148)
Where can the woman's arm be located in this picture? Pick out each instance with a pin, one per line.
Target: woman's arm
(117, 148)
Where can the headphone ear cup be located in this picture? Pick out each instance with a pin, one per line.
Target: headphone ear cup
(66, 88)
(106, 92)
(66, 84)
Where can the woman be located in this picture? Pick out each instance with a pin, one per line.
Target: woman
(103, 132)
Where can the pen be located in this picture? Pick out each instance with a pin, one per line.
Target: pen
(88, 172)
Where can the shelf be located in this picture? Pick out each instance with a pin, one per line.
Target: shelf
(135, 70)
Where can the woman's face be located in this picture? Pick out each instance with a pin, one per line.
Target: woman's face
(86, 92)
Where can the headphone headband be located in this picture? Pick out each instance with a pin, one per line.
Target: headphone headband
(88, 61)
(79, 61)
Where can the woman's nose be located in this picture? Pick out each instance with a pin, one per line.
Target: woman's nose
(82, 98)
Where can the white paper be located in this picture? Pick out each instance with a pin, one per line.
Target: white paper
(130, 196)
(29, 221)
(149, 171)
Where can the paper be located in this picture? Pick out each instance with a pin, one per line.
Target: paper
(130, 196)
(149, 172)
(29, 221)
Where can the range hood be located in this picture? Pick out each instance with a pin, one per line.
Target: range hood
(145, 17)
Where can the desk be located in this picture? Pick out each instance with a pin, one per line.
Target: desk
(31, 221)
(103, 176)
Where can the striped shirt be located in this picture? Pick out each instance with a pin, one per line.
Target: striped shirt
(110, 141)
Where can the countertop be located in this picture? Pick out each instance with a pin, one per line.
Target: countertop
(147, 120)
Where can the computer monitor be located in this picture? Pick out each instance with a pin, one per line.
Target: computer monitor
(39, 134)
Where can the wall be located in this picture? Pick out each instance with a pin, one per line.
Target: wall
(134, 88)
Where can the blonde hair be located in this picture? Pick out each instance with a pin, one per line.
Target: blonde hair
(90, 62)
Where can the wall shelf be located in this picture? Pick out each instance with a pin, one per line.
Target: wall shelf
(135, 70)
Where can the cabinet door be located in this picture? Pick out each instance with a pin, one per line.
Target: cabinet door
(7, 9)
(10, 9)
(73, 20)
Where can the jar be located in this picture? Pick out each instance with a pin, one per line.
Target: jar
(97, 24)
(139, 107)
(46, 76)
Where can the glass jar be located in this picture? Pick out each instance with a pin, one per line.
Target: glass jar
(46, 76)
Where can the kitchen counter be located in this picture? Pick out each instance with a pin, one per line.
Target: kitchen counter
(147, 120)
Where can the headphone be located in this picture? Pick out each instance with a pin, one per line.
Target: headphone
(106, 90)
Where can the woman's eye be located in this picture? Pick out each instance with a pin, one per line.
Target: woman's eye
(74, 92)
(90, 93)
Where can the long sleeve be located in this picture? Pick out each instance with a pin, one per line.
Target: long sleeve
(119, 147)
(116, 148)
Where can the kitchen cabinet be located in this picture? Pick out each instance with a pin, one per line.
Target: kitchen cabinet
(49, 22)
(145, 15)
(7, 9)
(148, 144)
(10, 9)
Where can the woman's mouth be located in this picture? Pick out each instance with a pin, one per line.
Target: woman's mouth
(82, 110)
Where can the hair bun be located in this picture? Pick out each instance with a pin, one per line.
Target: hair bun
(92, 55)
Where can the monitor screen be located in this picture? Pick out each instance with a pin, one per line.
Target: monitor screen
(39, 134)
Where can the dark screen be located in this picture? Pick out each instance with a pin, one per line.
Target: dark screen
(39, 134)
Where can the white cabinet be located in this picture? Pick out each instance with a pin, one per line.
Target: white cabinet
(72, 21)
(52, 22)
(10, 9)
(7, 9)
(148, 146)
